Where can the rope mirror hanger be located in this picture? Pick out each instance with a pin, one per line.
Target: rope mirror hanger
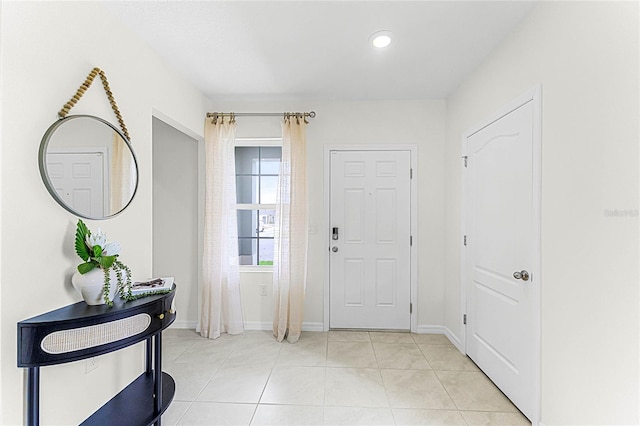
(84, 87)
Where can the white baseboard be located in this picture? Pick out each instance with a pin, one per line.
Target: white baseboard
(440, 329)
(312, 326)
(250, 325)
(258, 325)
(454, 339)
(189, 325)
(430, 329)
(268, 325)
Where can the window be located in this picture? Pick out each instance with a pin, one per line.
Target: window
(257, 169)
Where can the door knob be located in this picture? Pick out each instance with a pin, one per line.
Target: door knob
(522, 275)
(334, 249)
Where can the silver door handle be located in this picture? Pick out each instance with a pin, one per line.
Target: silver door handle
(522, 275)
(334, 249)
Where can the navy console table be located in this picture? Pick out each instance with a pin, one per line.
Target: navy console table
(81, 331)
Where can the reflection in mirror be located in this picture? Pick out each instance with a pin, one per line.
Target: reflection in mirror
(88, 166)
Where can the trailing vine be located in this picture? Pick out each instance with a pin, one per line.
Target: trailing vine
(148, 293)
(123, 286)
(106, 288)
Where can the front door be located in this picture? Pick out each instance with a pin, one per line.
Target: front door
(370, 220)
(501, 242)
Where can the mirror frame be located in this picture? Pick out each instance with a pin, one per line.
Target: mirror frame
(42, 153)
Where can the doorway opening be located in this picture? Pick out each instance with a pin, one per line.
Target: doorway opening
(176, 216)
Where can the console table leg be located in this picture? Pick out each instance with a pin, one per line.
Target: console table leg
(149, 352)
(157, 371)
(33, 396)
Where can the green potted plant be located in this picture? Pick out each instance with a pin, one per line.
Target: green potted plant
(94, 277)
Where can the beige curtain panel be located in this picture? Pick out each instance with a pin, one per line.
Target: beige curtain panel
(221, 311)
(120, 174)
(290, 242)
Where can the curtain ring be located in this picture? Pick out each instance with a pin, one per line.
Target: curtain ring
(232, 118)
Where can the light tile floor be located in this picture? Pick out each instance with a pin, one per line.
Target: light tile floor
(335, 378)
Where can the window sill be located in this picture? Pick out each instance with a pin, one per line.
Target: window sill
(255, 268)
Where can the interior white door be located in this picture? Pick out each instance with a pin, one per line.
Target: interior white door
(370, 262)
(79, 179)
(501, 239)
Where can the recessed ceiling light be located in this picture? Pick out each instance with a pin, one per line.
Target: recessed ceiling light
(381, 39)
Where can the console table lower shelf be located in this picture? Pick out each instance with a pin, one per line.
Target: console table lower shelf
(134, 405)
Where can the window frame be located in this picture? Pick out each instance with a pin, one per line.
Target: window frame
(256, 142)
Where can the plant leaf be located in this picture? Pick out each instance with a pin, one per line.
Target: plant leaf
(106, 261)
(81, 236)
(83, 268)
(97, 251)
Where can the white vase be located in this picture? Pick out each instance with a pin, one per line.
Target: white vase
(90, 285)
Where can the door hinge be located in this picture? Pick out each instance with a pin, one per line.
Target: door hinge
(464, 157)
(464, 319)
(410, 308)
(410, 173)
(464, 240)
(411, 240)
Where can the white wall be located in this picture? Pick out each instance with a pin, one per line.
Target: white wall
(364, 122)
(175, 216)
(585, 54)
(47, 50)
(1, 127)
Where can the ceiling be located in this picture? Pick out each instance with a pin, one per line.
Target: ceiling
(265, 50)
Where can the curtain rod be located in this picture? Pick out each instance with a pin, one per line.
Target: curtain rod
(310, 114)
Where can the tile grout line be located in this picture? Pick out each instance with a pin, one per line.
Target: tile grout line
(181, 353)
(275, 361)
(185, 412)
(214, 374)
(222, 364)
(384, 386)
(190, 403)
(435, 373)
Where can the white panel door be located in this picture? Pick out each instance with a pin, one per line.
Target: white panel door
(501, 239)
(79, 179)
(370, 262)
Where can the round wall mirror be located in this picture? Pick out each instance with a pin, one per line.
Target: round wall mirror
(88, 166)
